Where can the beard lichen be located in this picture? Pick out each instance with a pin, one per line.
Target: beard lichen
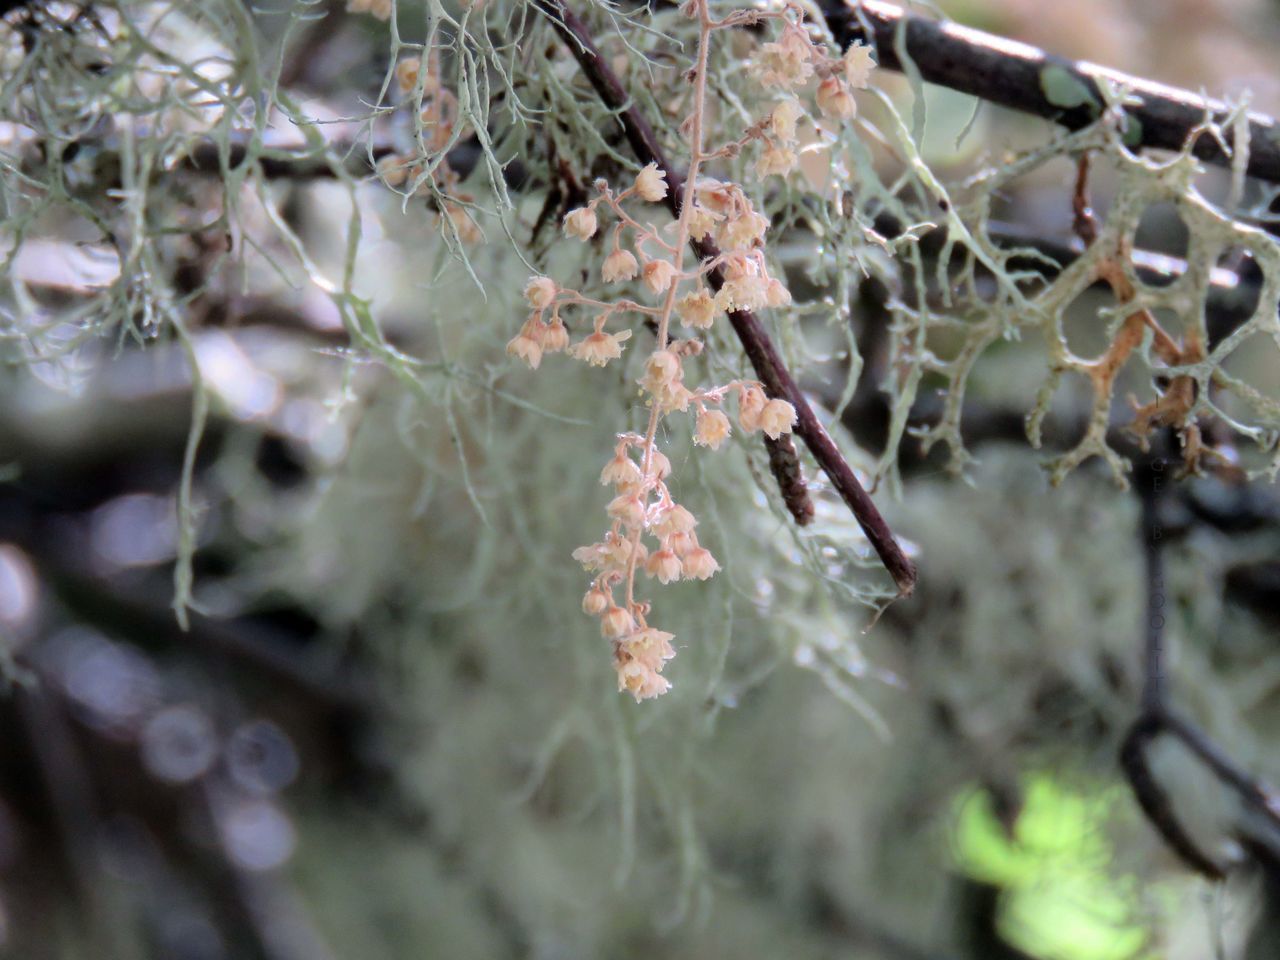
(163, 152)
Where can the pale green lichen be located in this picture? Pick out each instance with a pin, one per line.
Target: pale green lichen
(442, 538)
(1062, 88)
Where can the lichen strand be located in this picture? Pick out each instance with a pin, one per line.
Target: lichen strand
(1191, 377)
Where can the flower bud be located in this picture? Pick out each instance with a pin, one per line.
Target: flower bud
(580, 223)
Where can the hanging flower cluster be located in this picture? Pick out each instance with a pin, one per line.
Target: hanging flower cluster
(648, 531)
(788, 66)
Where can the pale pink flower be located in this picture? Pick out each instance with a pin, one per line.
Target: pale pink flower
(527, 349)
(593, 556)
(682, 543)
(664, 565)
(648, 646)
(595, 602)
(555, 337)
(661, 368)
(540, 292)
(776, 294)
(674, 519)
(659, 465)
(651, 183)
(640, 681)
(599, 348)
(628, 508)
(782, 121)
(741, 232)
(775, 158)
(744, 293)
(697, 309)
(712, 429)
(718, 196)
(580, 223)
(621, 471)
(785, 63)
(835, 99)
(639, 658)
(617, 622)
(777, 418)
(738, 265)
(751, 402)
(657, 275)
(618, 552)
(858, 65)
(699, 564)
(619, 265)
(673, 396)
(701, 222)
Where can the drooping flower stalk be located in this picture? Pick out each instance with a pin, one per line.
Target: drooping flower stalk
(711, 210)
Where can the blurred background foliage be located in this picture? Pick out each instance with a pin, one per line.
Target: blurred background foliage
(389, 733)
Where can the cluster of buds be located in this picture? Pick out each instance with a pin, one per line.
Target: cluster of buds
(438, 113)
(794, 59)
(788, 65)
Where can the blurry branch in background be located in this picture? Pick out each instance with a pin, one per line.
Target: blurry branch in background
(759, 348)
(991, 68)
(1152, 481)
(1068, 92)
(1157, 717)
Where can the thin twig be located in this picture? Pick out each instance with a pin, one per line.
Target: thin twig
(1022, 77)
(991, 68)
(1083, 221)
(759, 348)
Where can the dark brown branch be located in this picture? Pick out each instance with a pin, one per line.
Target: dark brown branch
(1153, 482)
(1157, 718)
(759, 348)
(1016, 75)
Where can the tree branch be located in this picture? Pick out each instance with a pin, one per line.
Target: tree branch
(1157, 718)
(1017, 76)
(759, 348)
